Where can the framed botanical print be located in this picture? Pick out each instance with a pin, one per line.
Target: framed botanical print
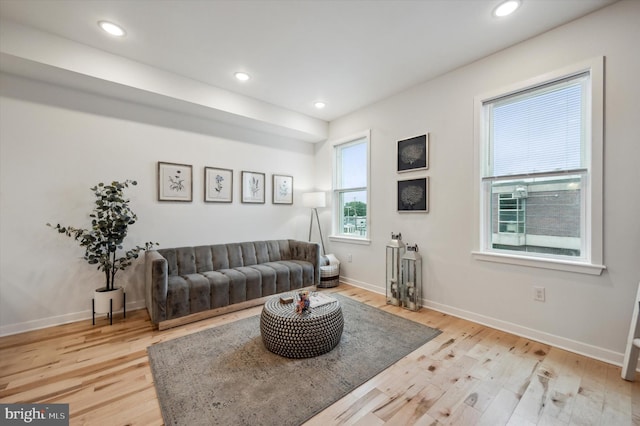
(282, 188)
(218, 185)
(413, 154)
(253, 187)
(175, 182)
(413, 195)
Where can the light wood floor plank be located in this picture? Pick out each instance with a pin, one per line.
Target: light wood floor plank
(587, 410)
(500, 409)
(468, 375)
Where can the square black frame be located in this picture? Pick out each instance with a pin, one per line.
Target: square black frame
(413, 195)
(413, 154)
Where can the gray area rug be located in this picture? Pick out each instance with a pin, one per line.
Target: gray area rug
(225, 376)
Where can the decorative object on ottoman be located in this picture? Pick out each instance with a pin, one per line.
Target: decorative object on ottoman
(395, 251)
(289, 334)
(286, 300)
(329, 272)
(411, 278)
(303, 302)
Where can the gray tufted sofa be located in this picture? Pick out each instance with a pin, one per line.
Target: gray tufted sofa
(190, 283)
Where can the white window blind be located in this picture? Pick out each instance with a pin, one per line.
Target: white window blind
(537, 131)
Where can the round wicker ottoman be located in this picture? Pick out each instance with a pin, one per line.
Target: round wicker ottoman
(305, 335)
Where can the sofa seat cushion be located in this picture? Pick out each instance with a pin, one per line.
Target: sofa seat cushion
(295, 272)
(199, 292)
(253, 281)
(282, 276)
(237, 285)
(268, 279)
(219, 286)
(177, 297)
(307, 270)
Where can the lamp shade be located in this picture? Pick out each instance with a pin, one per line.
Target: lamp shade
(314, 199)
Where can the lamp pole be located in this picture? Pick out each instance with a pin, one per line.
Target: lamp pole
(314, 200)
(314, 210)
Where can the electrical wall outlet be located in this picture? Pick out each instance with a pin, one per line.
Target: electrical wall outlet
(538, 293)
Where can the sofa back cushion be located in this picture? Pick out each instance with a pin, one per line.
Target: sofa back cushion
(220, 257)
(234, 251)
(285, 250)
(180, 261)
(273, 249)
(191, 260)
(204, 260)
(248, 254)
(262, 252)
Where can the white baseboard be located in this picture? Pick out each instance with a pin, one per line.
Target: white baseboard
(580, 348)
(7, 330)
(575, 346)
(361, 284)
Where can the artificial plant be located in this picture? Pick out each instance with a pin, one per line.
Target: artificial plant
(103, 242)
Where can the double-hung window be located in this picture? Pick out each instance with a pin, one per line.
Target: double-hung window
(351, 187)
(540, 154)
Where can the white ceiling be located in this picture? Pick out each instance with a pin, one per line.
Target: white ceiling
(346, 53)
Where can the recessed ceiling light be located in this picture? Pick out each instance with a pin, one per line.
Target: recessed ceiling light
(242, 76)
(506, 8)
(319, 105)
(111, 28)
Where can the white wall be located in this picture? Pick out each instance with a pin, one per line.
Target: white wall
(588, 314)
(56, 143)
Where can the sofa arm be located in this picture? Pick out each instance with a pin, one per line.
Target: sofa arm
(309, 252)
(156, 285)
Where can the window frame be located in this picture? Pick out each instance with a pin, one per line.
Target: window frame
(336, 234)
(592, 263)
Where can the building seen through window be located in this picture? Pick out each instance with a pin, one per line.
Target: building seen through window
(537, 215)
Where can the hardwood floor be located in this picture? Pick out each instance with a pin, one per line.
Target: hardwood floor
(468, 375)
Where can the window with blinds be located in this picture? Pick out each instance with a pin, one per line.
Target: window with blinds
(536, 153)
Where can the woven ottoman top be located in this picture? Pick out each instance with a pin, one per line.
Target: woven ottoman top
(300, 335)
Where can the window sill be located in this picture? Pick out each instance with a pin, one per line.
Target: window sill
(349, 240)
(555, 264)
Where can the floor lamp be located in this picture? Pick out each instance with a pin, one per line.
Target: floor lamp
(314, 200)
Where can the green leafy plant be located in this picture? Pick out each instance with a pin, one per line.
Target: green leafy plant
(103, 242)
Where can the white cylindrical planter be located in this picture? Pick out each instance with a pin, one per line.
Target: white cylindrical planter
(102, 297)
(108, 302)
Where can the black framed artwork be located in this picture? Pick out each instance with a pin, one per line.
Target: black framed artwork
(218, 185)
(175, 182)
(413, 195)
(413, 154)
